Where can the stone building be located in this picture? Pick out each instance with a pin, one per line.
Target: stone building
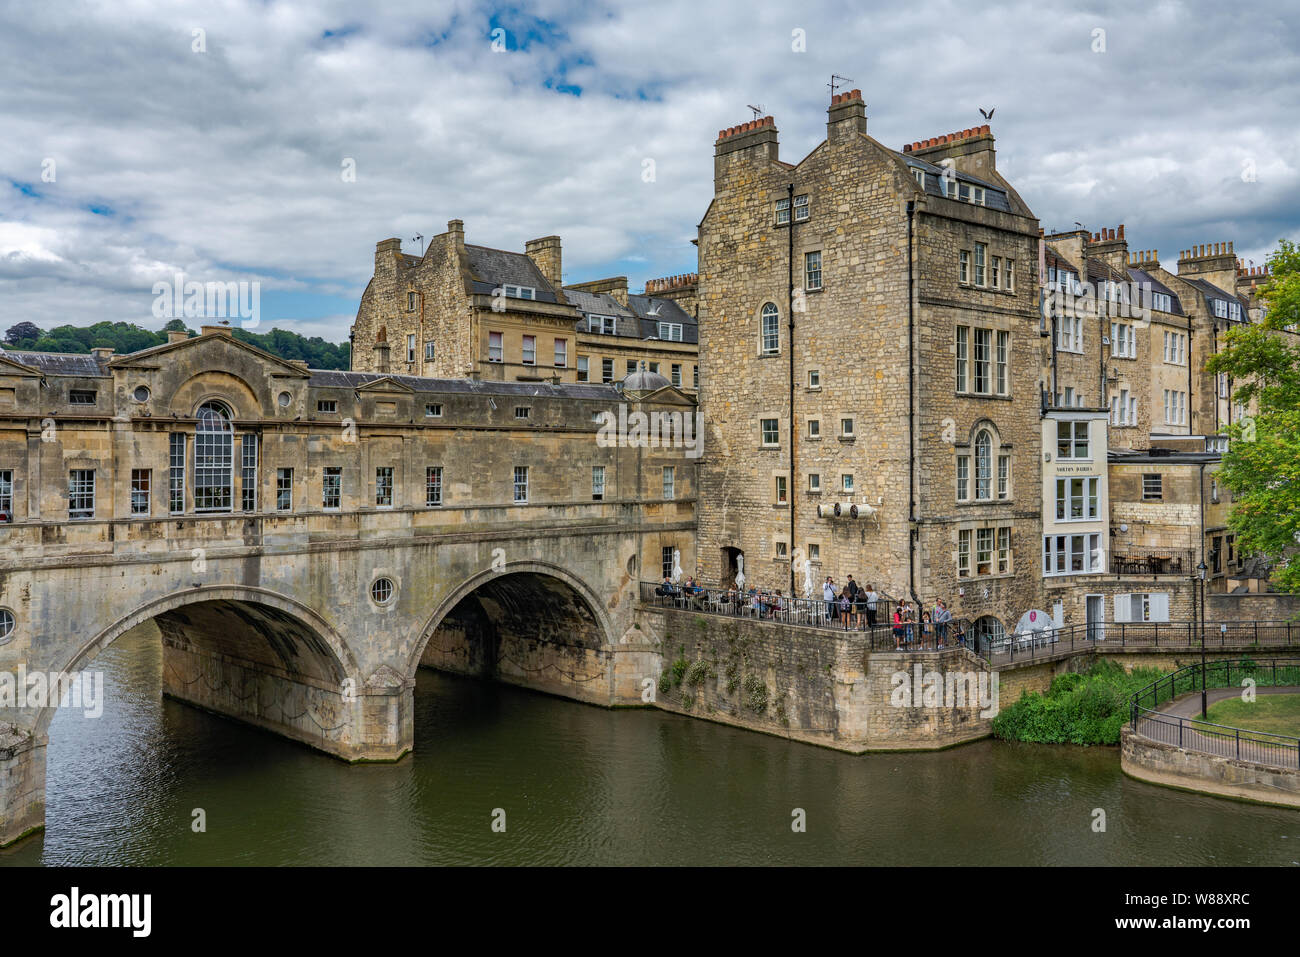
(462, 310)
(870, 336)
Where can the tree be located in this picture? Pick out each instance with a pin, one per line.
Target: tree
(1262, 465)
(21, 331)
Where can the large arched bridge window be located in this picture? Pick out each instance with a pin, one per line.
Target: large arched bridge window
(214, 459)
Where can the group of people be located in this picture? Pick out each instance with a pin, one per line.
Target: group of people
(852, 607)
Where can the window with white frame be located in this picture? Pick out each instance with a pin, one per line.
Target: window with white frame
(983, 465)
(963, 266)
(1123, 340)
(981, 250)
(1069, 334)
(814, 379)
(1004, 476)
(432, 486)
(846, 428)
(7, 493)
(783, 211)
(801, 208)
(1009, 276)
(1072, 440)
(995, 272)
(770, 429)
(332, 487)
(1072, 554)
(1077, 499)
(214, 458)
(430, 351)
(496, 351)
(1001, 362)
(584, 368)
(384, 486)
(283, 489)
(248, 472)
(530, 350)
(1175, 407)
(780, 490)
(606, 370)
(963, 478)
(561, 353)
(812, 270)
(141, 484)
(846, 482)
(1176, 348)
(433, 410)
(597, 483)
(1234, 311)
(963, 355)
(519, 292)
(81, 493)
(670, 481)
(1123, 409)
(604, 325)
(814, 482)
(1162, 302)
(327, 406)
(521, 483)
(963, 553)
(176, 473)
(676, 377)
(771, 330)
(981, 364)
(1142, 606)
(670, 331)
(410, 348)
(410, 302)
(814, 428)
(1004, 549)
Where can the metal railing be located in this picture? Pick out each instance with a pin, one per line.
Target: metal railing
(876, 626)
(1151, 560)
(1194, 734)
(1072, 639)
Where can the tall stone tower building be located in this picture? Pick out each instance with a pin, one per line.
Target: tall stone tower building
(870, 336)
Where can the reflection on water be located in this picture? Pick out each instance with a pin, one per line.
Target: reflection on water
(583, 785)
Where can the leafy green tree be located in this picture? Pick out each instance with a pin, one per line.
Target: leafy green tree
(1262, 464)
(23, 330)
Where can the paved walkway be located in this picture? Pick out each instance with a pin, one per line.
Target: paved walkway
(1176, 725)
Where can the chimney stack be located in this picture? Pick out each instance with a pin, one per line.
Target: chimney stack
(176, 335)
(545, 254)
(846, 117)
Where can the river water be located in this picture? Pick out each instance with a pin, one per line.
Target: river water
(584, 785)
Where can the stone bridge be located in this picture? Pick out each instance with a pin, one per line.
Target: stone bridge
(304, 540)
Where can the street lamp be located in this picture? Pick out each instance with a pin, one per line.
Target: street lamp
(1200, 571)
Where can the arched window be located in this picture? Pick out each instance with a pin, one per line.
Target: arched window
(771, 330)
(214, 459)
(983, 465)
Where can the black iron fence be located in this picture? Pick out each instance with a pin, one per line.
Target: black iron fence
(1151, 560)
(875, 624)
(1194, 734)
(1055, 642)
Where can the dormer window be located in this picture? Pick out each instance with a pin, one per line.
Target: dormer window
(519, 292)
(919, 176)
(670, 331)
(605, 325)
(81, 397)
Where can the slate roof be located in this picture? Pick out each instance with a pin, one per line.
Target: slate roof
(59, 363)
(603, 304)
(1211, 291)
(1141, 276)
(995, 197)
(490, 268)
(665, 310)
(337, 379)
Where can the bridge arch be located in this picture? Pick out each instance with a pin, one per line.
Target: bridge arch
(295, 641)
(530, 623)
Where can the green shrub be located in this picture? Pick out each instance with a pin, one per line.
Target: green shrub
(1087, 708)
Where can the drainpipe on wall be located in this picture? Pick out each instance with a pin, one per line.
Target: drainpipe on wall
(794, 431)
(911, 410)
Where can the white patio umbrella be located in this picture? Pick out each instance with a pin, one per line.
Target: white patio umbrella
(740, 571)
(807, 579)
(677, 567)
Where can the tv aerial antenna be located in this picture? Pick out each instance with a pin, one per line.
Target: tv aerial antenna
(419, 237)
(836, 85)
(757, 108)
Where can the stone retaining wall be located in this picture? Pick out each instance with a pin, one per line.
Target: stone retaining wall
(1168, 765)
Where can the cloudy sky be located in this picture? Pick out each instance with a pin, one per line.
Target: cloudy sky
(141, 138)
